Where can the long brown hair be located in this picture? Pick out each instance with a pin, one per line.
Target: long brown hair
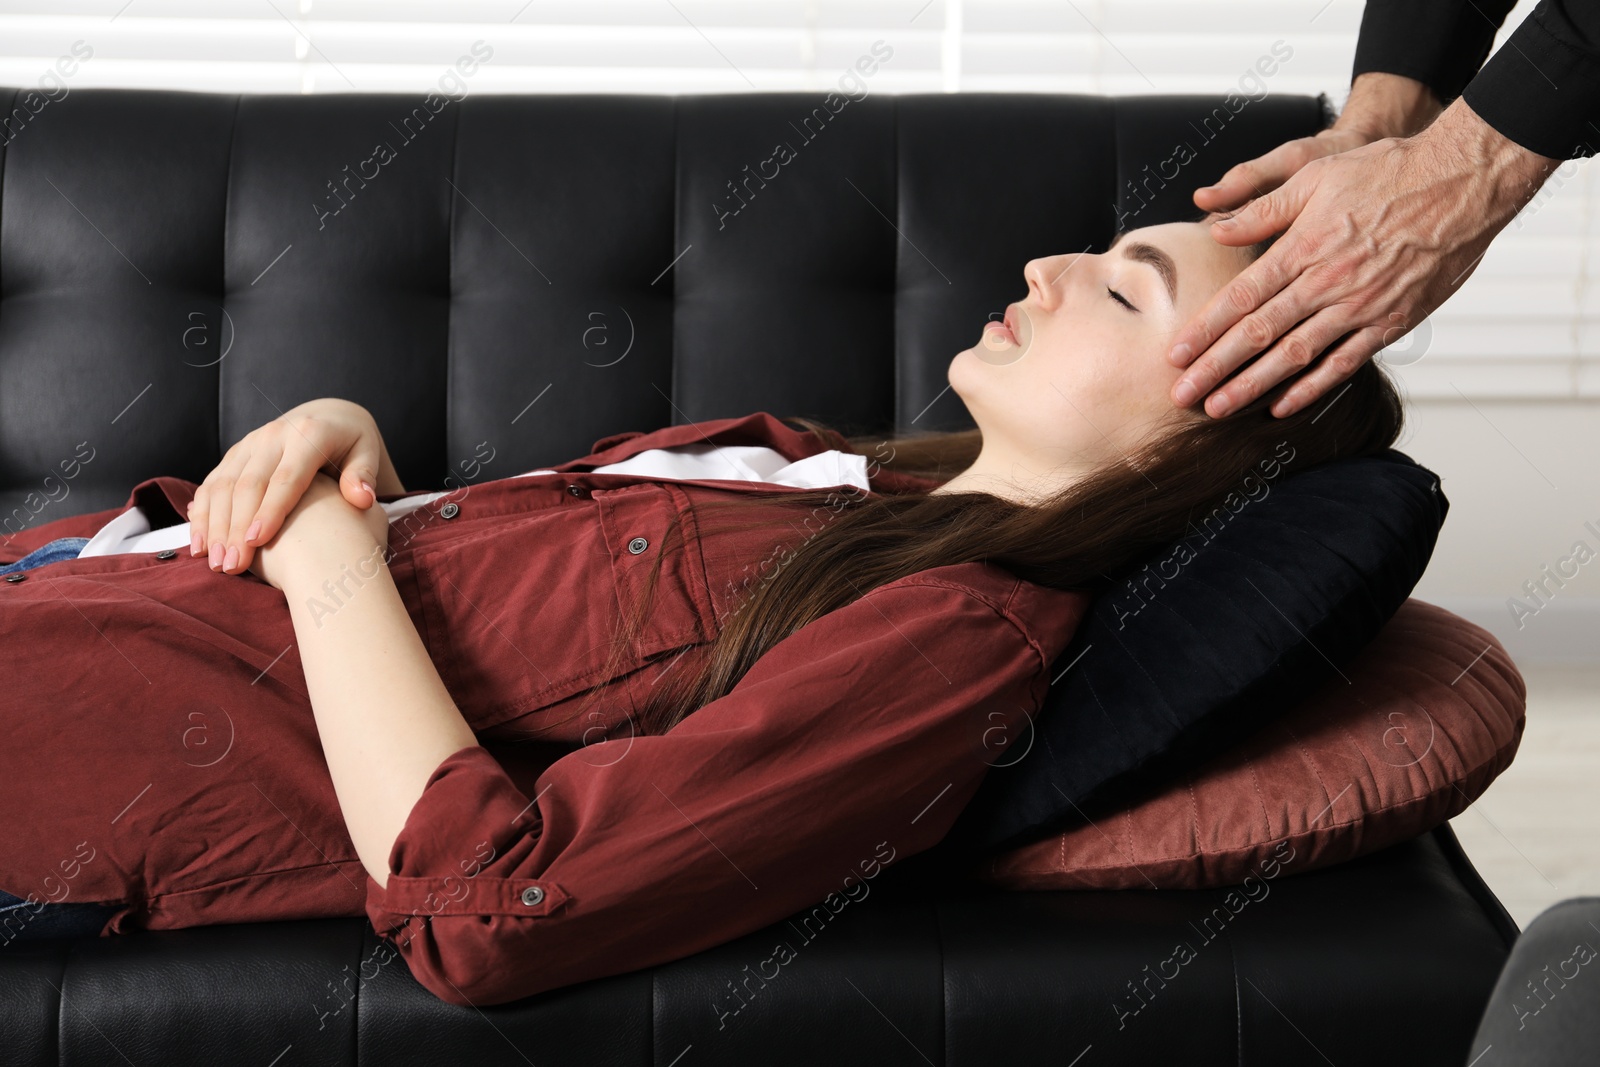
(1073, 539)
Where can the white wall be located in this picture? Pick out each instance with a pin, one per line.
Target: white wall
(1523, 479)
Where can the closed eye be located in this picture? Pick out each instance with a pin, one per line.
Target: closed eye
(1119, 298)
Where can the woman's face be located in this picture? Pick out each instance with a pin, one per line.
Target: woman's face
(1082, 374)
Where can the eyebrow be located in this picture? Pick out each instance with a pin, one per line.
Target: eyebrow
(1140, 252)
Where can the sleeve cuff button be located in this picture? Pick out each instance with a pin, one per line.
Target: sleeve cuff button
(532, 895)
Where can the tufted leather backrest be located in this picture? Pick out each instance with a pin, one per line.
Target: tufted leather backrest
(535, 271)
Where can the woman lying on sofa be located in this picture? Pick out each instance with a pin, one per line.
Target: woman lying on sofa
(730, 669)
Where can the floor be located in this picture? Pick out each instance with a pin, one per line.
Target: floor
(1534, 835)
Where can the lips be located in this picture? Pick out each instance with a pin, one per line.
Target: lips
(1003, 330)
(1007, 326)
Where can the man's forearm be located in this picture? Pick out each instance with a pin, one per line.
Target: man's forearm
(1440, 43)
(1387, 105)
(1506, 175)
(383, 713)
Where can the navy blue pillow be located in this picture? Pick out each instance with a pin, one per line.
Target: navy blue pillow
(1265, 611)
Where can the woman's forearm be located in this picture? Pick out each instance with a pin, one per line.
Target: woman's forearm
(384, 716)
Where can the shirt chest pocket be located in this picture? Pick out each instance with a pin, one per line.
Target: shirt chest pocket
(525, 613)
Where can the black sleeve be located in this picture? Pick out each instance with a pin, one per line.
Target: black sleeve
(1440, 43)
(1542, 87)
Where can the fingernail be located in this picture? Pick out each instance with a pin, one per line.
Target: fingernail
(1179, 356)
(1186, 393)
(231, 560)
(368, 488)
(1224, 223)
(1220, 404)
(194, 543)
(216, 555)
(255, 528)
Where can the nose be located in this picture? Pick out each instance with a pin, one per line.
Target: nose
(1045, 277)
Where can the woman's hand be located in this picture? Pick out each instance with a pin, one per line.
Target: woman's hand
(244, 502)
(323, 527)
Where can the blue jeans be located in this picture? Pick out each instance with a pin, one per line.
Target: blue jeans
(21, 920)
(59, 549)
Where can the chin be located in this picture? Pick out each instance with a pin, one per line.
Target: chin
(981, 360)
(979, 400)
(956, 374)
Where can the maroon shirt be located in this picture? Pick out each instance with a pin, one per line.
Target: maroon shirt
(161, 752)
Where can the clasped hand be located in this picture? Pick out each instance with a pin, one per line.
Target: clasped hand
(323, 525)
(247, 499)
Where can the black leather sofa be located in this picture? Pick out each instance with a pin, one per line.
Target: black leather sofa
(176, 268)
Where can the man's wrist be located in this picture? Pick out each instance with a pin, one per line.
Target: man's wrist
(1471, 146)
(1387, 105)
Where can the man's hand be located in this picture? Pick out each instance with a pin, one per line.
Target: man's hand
(1380, 105)
(322, 527)
(1377, 238)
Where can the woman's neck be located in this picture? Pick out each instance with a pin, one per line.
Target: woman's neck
(1012, 477)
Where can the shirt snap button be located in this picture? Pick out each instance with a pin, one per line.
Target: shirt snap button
(575, 490)
(449, 511)
(167, 553)
(532, 895)
(16, 576)
(638, 545)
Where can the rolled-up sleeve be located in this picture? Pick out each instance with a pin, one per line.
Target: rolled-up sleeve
(854, 741)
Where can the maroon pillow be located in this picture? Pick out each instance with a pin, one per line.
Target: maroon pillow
(1432, 711)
